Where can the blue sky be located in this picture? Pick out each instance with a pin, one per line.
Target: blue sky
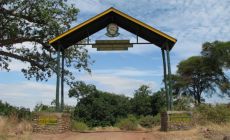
(191, 22)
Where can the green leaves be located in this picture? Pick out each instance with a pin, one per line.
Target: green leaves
(218, 52)
(204, 74)
(141, 102)
(33, 23)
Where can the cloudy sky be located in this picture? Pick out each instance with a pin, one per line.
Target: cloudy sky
(191, 22)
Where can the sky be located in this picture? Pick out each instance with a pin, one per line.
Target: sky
(191, 22)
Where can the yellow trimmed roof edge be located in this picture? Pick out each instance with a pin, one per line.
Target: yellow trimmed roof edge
(119, 13)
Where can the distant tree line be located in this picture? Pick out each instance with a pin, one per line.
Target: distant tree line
(14, 112)
(99, 108)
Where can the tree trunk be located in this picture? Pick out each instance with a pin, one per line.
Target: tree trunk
(198, 98)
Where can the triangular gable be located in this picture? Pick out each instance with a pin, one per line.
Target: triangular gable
(123, 20)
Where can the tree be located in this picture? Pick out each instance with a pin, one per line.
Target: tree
(158, 102)
(217, 52)
(33, 23)
(80, 90)
(141, 102)
(199, 76)
(98, 108)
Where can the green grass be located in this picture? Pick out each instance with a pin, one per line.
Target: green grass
(79, 126)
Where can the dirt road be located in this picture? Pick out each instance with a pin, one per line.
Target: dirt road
(185, 135)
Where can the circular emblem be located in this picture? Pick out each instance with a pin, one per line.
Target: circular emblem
(112, 30)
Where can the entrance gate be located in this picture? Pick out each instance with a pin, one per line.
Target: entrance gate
(112, 19)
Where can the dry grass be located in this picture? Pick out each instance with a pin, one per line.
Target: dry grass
(12, 130)
(213, 131)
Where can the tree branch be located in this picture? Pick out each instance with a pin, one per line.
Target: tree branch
(24, 59)
(13, 13)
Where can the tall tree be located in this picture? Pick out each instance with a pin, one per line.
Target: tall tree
(217, 52)
(25, 28)
(158, 102)
(201, 76)
(80, 89)
(98, 108)
(141, 102)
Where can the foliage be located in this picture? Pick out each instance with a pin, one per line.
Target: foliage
(97, 108)
(129, 123)
(183, 103)
(157, 119)
(51, 108)
(149, 121)
(101, 108)
(141, 102)
(217, 52)
(219, 113)
(199, 75)
(146, 121)
(158, 102)
(33, 23)
(79, 126)
(44, 108)
(19, 113)
(80, 90)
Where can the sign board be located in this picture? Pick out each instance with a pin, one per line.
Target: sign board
(47, 120)
(111, 45)
(180, 118)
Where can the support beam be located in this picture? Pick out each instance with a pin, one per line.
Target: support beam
(165, 79)
(62, 80)
(169, 78)
(58, 78)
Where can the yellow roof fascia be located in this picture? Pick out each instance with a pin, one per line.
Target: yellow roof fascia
(144, 25)
(121, 14)
(80, 25)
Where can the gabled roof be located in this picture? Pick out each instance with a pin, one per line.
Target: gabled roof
(123, 20)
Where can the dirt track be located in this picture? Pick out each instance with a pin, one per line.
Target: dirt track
(185, 135)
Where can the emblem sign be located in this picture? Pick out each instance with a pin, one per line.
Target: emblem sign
(112, 30)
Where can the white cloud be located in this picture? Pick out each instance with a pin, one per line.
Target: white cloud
(128, 72)
(28, 94)
(23, 93)
(16, 65)
(89, 6)
(117, 84)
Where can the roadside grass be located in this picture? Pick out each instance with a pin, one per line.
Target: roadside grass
(12, 129)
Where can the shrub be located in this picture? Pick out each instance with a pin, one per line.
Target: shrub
(146, 121)
(79, 126)
(150, 121)
(14, 112)
(157, 119)
(129, 123)
(215, 114)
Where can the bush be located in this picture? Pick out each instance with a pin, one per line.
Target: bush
(157, 119)
(101, 109)
(146, 121)
(216, 114)
(149, 121)
(15, 112)
(129, 123)
(79, 126)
